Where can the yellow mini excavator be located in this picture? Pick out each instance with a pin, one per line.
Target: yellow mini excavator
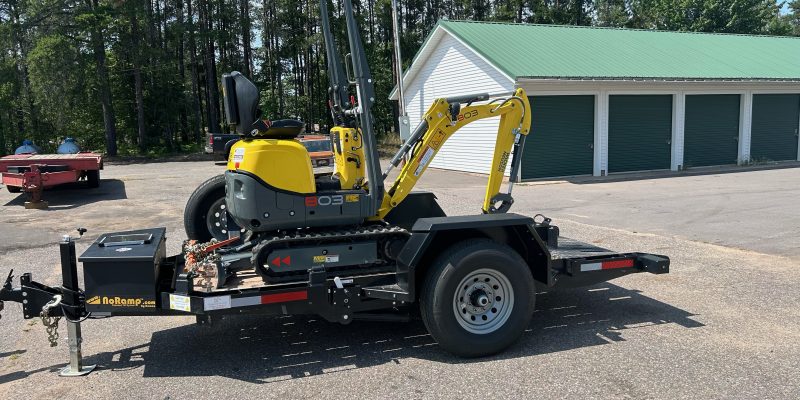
(270, 188)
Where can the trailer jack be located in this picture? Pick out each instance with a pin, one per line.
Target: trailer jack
(51, 304)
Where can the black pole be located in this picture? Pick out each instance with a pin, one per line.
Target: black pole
(69, 273)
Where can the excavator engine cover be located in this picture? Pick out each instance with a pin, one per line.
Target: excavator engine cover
(270, 185)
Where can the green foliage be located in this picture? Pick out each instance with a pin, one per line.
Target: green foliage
(160, 60)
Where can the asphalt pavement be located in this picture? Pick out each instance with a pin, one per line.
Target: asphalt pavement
(725, 323)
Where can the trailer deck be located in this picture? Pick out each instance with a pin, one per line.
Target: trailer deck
(32, 173)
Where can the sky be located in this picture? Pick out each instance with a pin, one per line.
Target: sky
(785, 8)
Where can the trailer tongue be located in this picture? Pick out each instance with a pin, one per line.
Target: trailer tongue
(129, 274)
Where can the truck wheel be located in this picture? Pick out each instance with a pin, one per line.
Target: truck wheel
(93, 178)
(14, 189)
(478, 298)
(205, 216)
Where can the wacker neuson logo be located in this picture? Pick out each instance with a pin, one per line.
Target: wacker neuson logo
(121, 302)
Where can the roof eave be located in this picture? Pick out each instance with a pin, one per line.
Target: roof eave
(653, 79)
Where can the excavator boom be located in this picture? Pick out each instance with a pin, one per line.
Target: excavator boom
(446, 116)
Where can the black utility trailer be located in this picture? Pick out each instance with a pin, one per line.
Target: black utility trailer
(129, 274)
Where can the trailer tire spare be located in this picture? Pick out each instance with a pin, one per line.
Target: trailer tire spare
(478, 298)
(205, 215)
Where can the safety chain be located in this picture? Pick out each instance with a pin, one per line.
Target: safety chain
(51, 323)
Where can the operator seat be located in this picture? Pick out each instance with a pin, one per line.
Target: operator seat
(282, 129)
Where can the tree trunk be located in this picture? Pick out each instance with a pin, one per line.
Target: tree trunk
(212, 103)
(246, 38)
(104, 86)
(182, 73)
(137, 77)
(198, 114)
(20, 56)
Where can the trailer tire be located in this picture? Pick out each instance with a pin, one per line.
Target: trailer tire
(196, 216)
(14, 189)
(477, 319)
(93, 178)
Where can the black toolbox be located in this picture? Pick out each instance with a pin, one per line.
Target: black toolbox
(120, 271)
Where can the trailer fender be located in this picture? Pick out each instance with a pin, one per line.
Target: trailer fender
(431, 236)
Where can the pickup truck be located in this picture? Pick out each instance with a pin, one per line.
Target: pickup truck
(220, 143)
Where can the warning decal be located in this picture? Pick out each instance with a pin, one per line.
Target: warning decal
(423, 162)
(180, 303)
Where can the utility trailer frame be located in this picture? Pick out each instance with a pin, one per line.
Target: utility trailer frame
(32, 173)
(144, 282)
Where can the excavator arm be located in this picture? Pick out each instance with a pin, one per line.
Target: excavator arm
(444, 118)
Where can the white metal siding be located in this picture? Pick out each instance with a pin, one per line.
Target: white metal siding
(453, 69)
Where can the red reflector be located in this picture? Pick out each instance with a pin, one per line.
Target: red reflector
(617, 264)
(284, 297)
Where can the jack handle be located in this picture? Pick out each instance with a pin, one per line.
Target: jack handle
(7, 285)
(6, 288)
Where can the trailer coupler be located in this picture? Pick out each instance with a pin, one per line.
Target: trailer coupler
(33, 296)
(51, 304)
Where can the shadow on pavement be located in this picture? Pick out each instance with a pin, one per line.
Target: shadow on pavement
(73, 195)
(262, 350)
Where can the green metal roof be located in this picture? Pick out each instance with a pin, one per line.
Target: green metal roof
(569, 52)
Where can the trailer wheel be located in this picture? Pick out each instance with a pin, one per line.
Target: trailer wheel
(478, 298)
(93, 178)
(14, 189)
(205, 216)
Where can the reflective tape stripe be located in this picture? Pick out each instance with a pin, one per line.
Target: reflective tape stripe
(597, 266)
(618, 264)
(246, 301)
(284, 297)
(591, 267)
(269, 299)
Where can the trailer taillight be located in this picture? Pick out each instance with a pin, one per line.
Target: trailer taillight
(614, 264)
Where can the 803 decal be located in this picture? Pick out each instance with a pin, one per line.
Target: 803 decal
(467, 115)
(314, 201)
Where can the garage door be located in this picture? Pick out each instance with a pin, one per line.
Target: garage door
(775, 123)
(561, 139)
(711, 135)
(639, 132)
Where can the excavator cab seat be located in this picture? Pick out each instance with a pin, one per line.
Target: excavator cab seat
(282, 129)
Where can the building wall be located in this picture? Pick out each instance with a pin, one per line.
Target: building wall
(450, 69)
(679, 90)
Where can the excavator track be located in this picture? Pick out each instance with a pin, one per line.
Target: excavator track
(383, 235)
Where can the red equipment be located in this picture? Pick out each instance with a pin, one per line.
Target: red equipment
(32, 173)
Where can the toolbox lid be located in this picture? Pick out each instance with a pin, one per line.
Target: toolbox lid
(138, 245)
